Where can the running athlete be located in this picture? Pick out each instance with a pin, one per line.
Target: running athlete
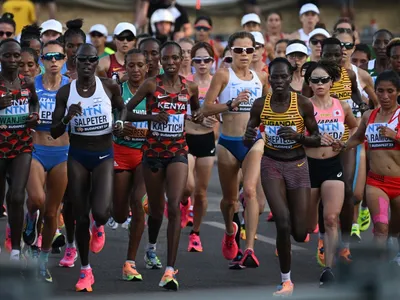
(273, 33)
(150, 47)
(296, 54)
(29, 63)
(186, 67)
(361, 56)
(280, 48)
(201, 142)
(89, 101)
(112, 66)
(326, 173)
(7, 26)
(49, 161)
(74, 37)
(393, 52)
(30, 38)
(165, 168)
(315, 43)
(284, 167)
(257, 63)
(19, 109)
(380, 40)
(129, 187)
(381, 129)
(226, 61)
(237, 88)
(309, 17)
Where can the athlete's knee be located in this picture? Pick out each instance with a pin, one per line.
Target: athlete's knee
(249, 193)
(282, 224)
(173, 210)
(101, 218)
(348, 193)
(201, 196)
(82, 221)
(228, 201)
(331, 221)
(299, 234)
(37, 198)
(17, 197)
(120, 217)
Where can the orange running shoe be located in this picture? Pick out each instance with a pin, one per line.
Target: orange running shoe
(345, 255)
(98, 239)
(61, 223)
(85, 282)
(7, 242)
(285, 289)
(195, 243)
(168, 281)
(185, 213)
(316, 230)
(229, 246)
(129, 272)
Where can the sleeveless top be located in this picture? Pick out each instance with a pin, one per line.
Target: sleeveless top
(202, 94)
(115, 67)
(15, 137)
(96, 118)
(331, 120)
(273, 121)
(237, 85)
(371, 70)
(138, 136)
(47, 102)
(377, 141)
(167, 140)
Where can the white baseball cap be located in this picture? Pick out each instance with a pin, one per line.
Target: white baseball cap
(121, 27)
(309, 7)
(320, 31)
(250, 18)
(51, 25)
(258, 37)
(296, 47)
(99, 28)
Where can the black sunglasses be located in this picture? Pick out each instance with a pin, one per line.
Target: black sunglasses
(199, 60)
(200, 28)
(240, 50)
(348, 46)
(56, 55)
(317, 80)
(228, 59)
(315, 42)
(7, 33)
(96, 34)
(91, 59)
(129, 38)
(344, 30)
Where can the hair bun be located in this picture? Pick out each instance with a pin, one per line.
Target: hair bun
(8, 15)
(75, 24)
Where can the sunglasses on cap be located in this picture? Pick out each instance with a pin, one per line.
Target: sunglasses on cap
(228, 59)
(56, 55)
(7, 33)
(315, 42)
(317, 80)
(240, 50)
(344, 30)
(128, 38)
(199, 60)
(91, 59)
(96, 34)
(202, 28)
(348, 46)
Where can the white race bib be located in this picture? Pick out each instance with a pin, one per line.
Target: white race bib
(334, 129)
(14, 116)
(92, 119)
(274, 140)
(173, 128)
(375, 139)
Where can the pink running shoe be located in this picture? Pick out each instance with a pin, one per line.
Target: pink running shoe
(229, 245)
(39, 241)
(185, 213)
(250, 259)
(194, 243)
(98, 239)
(85, 282)
(69, 259)
(166, 209)
(316, 230)
(7, 243)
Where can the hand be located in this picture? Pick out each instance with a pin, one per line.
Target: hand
(123, 76)
(197, 117)
(387, 132)
(337, 145)
(162, 117)
(209, 122)
(287, 133)
(6, 100)
(32, 120)
(28, 83)
(327, 140)
(118, 130)
(363, 107)
(127, 130)
(74, 110)
(243, 96)
(249, 136)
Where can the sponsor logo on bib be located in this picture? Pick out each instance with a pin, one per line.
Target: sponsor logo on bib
(14, 116)
(173, 128)
(92, 119)
(375, 139)
(274, 140)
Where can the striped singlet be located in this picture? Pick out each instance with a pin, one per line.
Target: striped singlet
(273, 121)
(342, 90)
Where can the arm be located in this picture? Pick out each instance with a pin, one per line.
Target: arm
(369, 86)
(194, 96)
(264, 80)
(141, 13)
(307, 91)
(349, 120)
(355, 93)
(116, 99)
(59, 124)
(34, 101)
(307, 109)
(358, 137)
(254, 122)
(145, 90)
(218, 83)
(104, 65)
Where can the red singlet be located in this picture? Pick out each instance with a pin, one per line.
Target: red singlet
(115, 67)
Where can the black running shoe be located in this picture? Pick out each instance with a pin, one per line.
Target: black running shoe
(236, 263)
(30, 233)
(327, 278)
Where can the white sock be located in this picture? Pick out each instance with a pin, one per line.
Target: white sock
(86, 267)
(131, 262)
(285, 276)
(71, 245)
(345, 245)
(191, 207)
(15, 254)
(321, 235)
(58, 231)
(169, 269)
(151, 247)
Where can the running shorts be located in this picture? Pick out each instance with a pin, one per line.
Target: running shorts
(294, 173)
(322, 170)
(126, 158)
(50, 156)
(389, 185)
(157, 163)
(201, 145)
(90, 159)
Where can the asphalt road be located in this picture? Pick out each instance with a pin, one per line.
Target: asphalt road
(200, 274)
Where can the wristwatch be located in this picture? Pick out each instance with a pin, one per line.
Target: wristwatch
(229, 104)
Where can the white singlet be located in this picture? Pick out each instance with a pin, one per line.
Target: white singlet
(236, 85)
(96, 118)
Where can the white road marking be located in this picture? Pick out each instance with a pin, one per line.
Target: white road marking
(260, 237)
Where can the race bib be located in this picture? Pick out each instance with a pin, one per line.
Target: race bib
(47, 106)
(274, 140)
(255, 92)
(139, 129)
(375, 139)
(92, 119)
(15, 116)
(334, 129)
(174, 127)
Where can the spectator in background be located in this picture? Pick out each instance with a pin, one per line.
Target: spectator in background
(251, 22)
(346, 25)
(226, 61)
(51, 30)
(361, 56)
(317, 36)
(309, 17)
(51, 6)
(162, 25)
(98, 37)
(7, 26)
(23, 11)
(257, 63)
(181, 18)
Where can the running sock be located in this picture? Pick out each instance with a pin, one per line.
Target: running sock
(321, 235)
(15, 254)
(86, 267)
(237, 221)
(71, 245)
(194, 232)
(169, 269)
(151, 247)
(131, 262)
(285, 276)
(44, 258)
